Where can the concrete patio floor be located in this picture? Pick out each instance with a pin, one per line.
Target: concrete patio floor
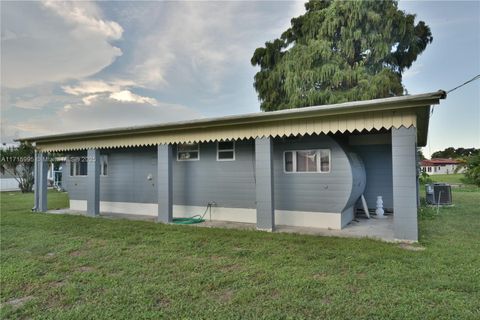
(360, 227)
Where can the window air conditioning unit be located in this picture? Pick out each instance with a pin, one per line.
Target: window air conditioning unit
(438, 193)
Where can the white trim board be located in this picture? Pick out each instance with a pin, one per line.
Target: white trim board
(247, 215)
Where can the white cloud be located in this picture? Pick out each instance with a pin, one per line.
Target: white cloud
(128, 96)
(32, 103)
(54, 41)
(89, 87)
(89, 99)
(32, 98)
(200, 45)
(101, 114)
(118, 90)
(85, 16)
(197, 44)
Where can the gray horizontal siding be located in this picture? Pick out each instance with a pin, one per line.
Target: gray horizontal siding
(228, 183)
(195, 183)
(378, 167)
(126, 179)
(322, 192)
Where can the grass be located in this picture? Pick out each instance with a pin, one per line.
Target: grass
(73, 267)
(458, 181)
(457, 178)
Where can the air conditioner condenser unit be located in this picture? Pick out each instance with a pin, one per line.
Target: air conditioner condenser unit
(438, 193)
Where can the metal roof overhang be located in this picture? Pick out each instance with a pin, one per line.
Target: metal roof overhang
(367, 115)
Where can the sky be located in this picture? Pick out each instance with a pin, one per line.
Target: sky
(73, 66)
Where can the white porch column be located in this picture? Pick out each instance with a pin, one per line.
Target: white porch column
(165, 183)
(40, 182)
(93, 182)
(264, 184)
(404, 154)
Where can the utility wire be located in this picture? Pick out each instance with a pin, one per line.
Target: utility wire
(457, 87)
(467, 82)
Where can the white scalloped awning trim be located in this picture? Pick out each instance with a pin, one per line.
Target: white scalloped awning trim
(277, 128)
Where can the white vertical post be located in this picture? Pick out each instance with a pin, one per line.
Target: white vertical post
(165, 183)
(93, 182)
(264, 184)
(404, 183)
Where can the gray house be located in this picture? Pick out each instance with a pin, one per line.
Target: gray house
(297, 167)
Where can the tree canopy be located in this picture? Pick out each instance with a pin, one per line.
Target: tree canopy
(455, 153)
(339, 51)
(472, 172)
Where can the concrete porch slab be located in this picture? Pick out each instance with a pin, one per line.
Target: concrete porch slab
(360, 227)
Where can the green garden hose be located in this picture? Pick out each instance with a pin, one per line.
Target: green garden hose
(192, 220)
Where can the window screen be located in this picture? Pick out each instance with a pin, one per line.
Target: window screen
(307, 161)
(225, 150)
(78, 166)
(188, 151)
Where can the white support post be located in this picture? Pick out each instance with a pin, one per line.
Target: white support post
(93, 182)
(165, 183)
(404, 183)
(264, 184)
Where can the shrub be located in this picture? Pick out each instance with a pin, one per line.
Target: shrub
(425, 178)
(472, 174)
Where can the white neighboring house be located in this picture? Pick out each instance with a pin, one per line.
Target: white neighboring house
(441, 166)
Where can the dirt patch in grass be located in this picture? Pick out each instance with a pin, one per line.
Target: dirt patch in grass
(225, 296)
(275, 294)
(320, 276)
(18, 302)
(57, 284)
(411, 247)
(352, 288)
(162, 302)
(86, 269)
(76, 253)
(230, 267)
(93, 243)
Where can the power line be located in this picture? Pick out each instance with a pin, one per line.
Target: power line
(457, 87)
(467, 82)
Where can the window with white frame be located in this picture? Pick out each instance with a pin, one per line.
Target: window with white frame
(78, 166)
(226, 151)
(306, 161)
(188, 151)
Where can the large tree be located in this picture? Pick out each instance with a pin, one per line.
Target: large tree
(339, 51)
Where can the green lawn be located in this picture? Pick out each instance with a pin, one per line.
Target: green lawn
(72, 267)
(448, 178)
